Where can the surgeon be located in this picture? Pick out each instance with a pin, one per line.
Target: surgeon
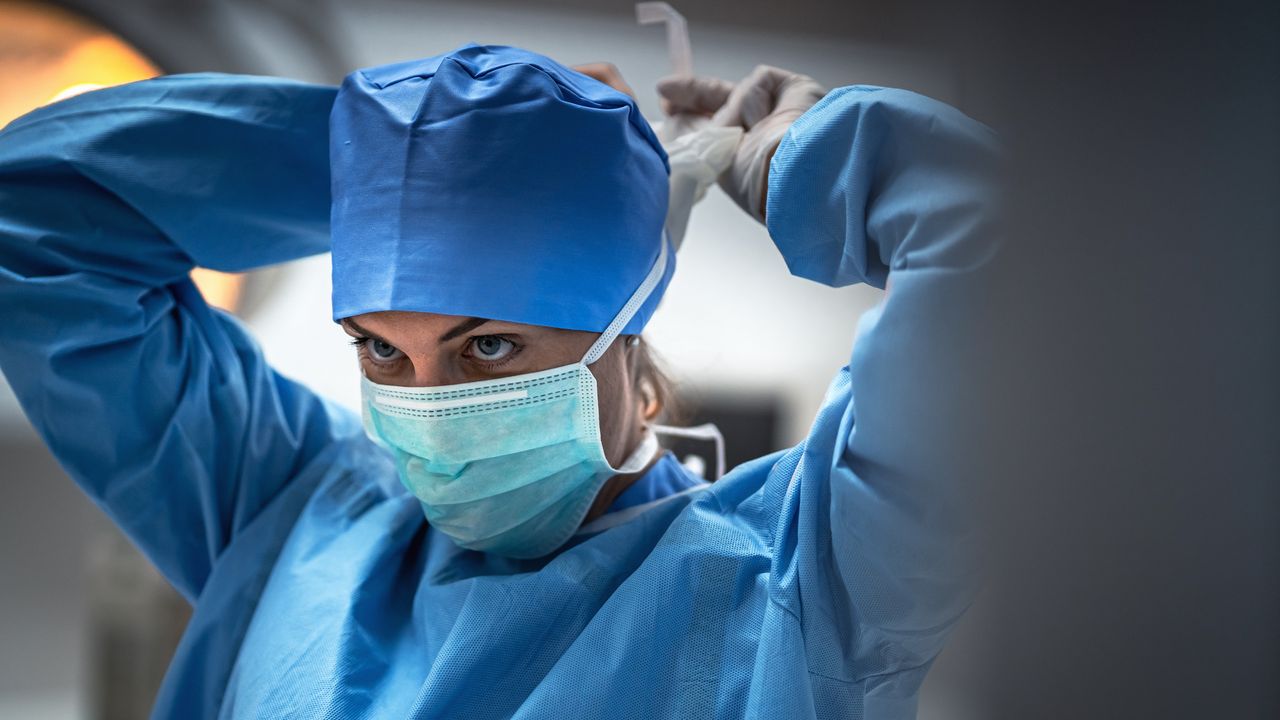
(498, 534)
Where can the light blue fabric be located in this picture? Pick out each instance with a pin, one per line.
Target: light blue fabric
(494, 182)
(818, 582)
(507, 466)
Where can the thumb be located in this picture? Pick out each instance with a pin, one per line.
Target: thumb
(692, 94)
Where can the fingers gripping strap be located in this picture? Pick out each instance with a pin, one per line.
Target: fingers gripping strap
(633, 306)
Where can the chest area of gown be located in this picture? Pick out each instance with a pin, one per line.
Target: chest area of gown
(402, 625)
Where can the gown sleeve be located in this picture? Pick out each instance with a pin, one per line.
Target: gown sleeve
(879, 186)
(161, 408)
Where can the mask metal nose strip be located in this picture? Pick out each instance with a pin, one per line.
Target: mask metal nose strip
(407, 404)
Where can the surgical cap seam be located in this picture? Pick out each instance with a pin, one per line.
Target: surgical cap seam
(632, 109)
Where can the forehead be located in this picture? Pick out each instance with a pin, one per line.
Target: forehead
(404, 321)
(408, 325)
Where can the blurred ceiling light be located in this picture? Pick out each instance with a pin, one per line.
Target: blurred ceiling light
(45, 50)
(221, 290)
(49, 54)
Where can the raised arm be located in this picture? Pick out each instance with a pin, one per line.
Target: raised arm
(874, 185)
(873, 181)
(161, 408)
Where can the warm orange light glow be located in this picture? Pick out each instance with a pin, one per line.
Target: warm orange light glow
(47, 50)
(219, 289)
(48, 54)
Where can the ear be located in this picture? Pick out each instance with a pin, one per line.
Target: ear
(648, 399)
(649, 407)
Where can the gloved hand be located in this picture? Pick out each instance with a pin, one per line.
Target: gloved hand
(764, 104)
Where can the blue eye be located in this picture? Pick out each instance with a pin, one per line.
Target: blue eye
(381, 351)
(491, 347)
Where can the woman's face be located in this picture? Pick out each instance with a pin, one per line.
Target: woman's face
(414, 349)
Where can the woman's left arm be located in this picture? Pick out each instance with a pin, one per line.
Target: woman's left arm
(885, 186)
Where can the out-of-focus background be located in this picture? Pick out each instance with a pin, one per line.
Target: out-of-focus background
(1133, 496)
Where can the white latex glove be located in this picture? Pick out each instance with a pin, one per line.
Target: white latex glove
(697, 158)
(764, 105)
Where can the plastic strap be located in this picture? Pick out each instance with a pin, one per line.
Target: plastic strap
(641, 456)
(633, 306)
(706, 431)
(678, 47)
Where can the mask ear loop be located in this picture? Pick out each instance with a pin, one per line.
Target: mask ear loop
(632, 306)
(602, 343)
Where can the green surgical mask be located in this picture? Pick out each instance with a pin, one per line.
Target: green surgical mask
(507, 466)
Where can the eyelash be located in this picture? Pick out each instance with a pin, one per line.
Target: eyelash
(489, 364)
(359, 343)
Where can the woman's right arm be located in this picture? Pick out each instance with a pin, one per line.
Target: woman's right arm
(161, 408)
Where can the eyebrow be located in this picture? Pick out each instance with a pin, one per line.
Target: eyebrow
(465, 326)
(356, 326)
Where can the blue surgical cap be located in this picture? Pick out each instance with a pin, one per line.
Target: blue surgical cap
(494, 182)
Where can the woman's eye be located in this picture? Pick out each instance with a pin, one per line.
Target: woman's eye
(381, 351)
(491, 347)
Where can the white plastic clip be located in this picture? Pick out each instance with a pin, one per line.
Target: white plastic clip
(678, 47)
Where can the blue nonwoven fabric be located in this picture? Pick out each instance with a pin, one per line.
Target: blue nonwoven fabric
(493, 182)
(817, 583)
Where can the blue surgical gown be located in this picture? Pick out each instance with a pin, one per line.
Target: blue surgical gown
(817, 582)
